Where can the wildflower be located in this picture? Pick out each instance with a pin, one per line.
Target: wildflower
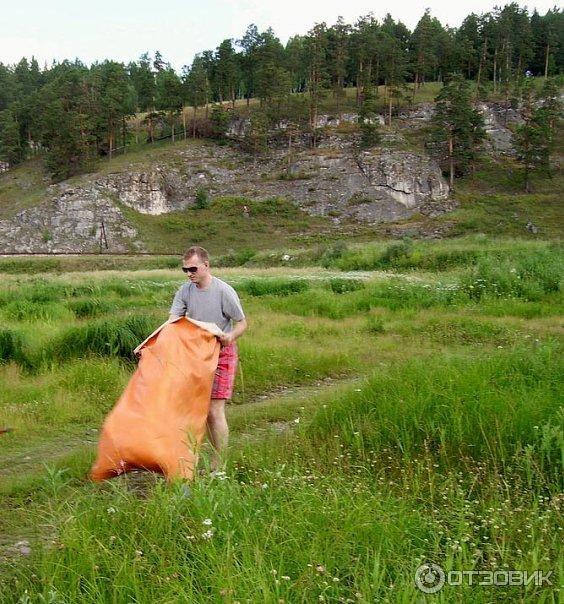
(207, 535)
(111, 510)
(297, 420)
(336, 579)
(264, 485)
(207, 521)
(138, 553)
(285, 577)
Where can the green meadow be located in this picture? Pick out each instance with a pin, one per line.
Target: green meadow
(396, 404)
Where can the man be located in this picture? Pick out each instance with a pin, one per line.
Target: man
(207, 298)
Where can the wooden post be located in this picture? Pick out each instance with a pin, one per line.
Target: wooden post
(103, 238)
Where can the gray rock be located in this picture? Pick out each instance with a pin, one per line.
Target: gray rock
(333, 180)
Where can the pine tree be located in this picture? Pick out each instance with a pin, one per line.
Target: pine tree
(338, 56)
(394, 71)
(457, 128)
(316, 52)
(143, 79)
(11, 149)
(249, 43)
(68, 122)
(219, 119)
(534, 139)
(196, 87)
(169, 96)
(368, 120)
(228, 72)
(272, 81)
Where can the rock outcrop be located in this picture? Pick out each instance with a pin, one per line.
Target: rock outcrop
(335, 180)
(73, 219)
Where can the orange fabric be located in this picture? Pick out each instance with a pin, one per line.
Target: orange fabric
(160, 419)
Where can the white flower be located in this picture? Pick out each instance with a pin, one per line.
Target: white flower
(207, 522)
(207, 535)
(264, 485)
(297, 420)
(111, 510)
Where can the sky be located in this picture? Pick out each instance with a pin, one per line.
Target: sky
(123, 29)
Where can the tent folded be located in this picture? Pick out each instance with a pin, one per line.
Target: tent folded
(160, 419)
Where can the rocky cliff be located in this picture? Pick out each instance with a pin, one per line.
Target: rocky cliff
(388, 183)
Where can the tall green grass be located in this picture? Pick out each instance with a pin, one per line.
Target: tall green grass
(11, 346)
(446, 464)
(493, 408)
(107, 337)
(527, 276)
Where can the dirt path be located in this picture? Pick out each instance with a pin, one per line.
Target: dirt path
(272, 413)
(247, 420)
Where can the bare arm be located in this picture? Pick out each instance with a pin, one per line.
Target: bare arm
(239, 328)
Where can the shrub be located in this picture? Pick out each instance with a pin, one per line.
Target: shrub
(276, 287)
(202, 201)
(335, 252)
(394, 253)
(239, 258)
(374, 324)
(11, 346)
(342, 286)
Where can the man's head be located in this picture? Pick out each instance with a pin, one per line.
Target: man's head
(196, 265)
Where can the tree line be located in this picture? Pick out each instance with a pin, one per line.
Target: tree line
(77, 112)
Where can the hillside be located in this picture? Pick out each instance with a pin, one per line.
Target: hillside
(145, 200)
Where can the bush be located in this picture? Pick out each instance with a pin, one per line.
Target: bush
(11, 346)
(239, 258)
(394, 253)
(374, 324)
(343, 286)
(276, 287)
(202, 201)
(335, 252)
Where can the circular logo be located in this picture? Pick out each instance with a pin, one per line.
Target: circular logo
(430, 578)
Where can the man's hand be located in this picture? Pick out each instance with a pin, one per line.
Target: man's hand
(226, 339)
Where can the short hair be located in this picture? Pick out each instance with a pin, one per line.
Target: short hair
(196, 250)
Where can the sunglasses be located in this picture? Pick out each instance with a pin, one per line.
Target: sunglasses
(190, 269)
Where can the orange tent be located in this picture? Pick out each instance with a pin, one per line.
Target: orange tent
(160, 419)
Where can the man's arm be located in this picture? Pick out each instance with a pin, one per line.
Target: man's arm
(239, 328)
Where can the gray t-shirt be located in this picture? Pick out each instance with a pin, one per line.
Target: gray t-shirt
(218, 304)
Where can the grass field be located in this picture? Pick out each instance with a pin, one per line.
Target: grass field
(400, 404)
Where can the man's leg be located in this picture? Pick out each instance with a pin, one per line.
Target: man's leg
(218, 431)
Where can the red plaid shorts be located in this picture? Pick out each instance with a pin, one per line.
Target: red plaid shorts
(225, 372)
